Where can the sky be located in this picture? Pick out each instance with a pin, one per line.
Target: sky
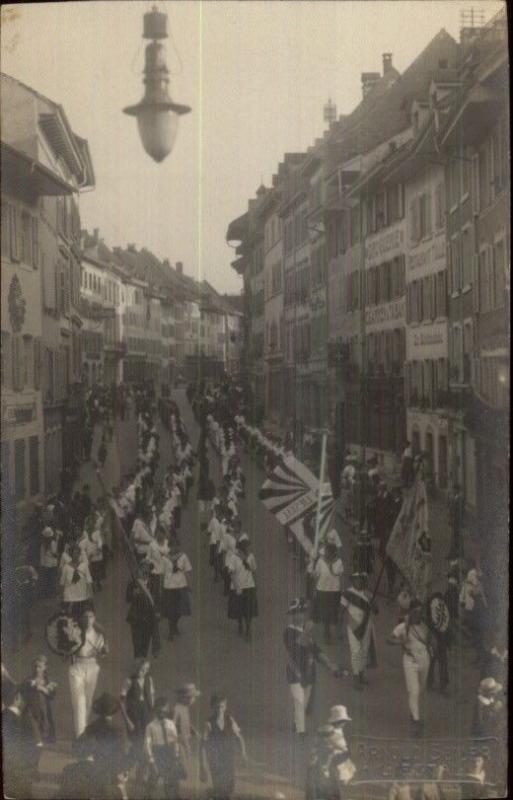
(257, 75)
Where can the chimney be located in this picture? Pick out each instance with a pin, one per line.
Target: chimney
(96, 235)
(179, 267)
(369, 79)
(166, 263)
(387, 62)
(131, 248)
(330, 112)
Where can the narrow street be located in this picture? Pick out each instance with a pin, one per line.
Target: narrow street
(211, 654)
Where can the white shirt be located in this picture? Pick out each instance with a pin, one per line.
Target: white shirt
(414, 640)
(155, 553)
(96, 546)
(155, 733)
(242, 577)
(327, 577)
(94, 644)
(48, 556)
(141, 536)
(227, 542)
(79, 591)
(216, 530)
(176, 580)
(470, 589)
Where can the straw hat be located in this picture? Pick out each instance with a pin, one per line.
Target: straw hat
(338, 714)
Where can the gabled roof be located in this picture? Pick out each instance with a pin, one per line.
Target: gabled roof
(384, 112)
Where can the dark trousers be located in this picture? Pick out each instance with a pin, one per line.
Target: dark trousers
(439, 657)
(143, 634)
(47, 581)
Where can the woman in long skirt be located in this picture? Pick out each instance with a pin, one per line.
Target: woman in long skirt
(242, 604)
(176, 601)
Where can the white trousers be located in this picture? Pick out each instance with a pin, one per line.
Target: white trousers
(300, 697)
(83, 677)
(415, 675)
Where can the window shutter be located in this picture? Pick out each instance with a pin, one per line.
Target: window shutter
(428, 213)
(14, 227)
(35, 242)
(37, 363)
(6, 229)
(412, 221)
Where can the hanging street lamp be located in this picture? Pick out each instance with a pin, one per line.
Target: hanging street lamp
(157, 114)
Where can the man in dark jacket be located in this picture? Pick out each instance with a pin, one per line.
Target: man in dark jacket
(20, 754)
(103, 740)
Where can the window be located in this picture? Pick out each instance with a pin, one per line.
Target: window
(14, 229)
(466, 257)
(440, 206)
(394, 203)
(6, 228)
(454, 182)
(19, 469)
(28, 362)
(355, 225)
(485, 175)
(34, 465)
(380, 211)
(455, 265)
(499, 274)
(441, 294)
(6, 376)
(35, 243)
(465, 173)
(424, 215)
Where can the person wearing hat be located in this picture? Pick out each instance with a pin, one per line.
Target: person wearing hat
(143, 614)
(303, 653)
(105, 741)
(162, 751)
(415, 639)
(357, 604)
(331, 767)
(242, 566)
(225, 549)
(489, 711)
(186, 697)
(49, 560)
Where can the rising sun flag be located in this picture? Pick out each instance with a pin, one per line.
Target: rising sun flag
(291, 493)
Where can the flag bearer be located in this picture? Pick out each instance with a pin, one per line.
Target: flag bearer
(356, 601)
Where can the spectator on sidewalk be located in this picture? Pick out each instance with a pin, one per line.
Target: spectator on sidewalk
(106, 744)
(455, 512)
(20, 752)
(221, 741)
(39, 693)
(137, 698)
(407, 468)
(163, 752)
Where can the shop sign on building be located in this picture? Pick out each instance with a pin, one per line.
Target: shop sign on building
(430, 341)
(385, 245)
(386, 312)
(427, 258)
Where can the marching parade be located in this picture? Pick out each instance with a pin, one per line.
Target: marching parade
(139, 741)
(254, 528)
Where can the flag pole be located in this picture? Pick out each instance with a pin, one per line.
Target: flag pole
(319, 496)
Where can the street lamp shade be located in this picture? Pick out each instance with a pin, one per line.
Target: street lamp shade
(157, 114)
